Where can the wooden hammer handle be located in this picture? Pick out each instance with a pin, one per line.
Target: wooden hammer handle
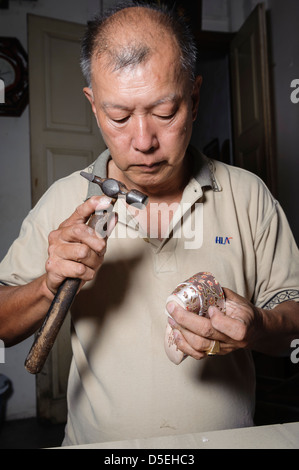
(57, 312)
(49, 330)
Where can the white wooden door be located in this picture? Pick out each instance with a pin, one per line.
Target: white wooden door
(250, 89)
(64, 138)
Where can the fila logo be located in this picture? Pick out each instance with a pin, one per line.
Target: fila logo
(223, 240)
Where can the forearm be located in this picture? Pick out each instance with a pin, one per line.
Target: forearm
(22, 310)
(279, 327)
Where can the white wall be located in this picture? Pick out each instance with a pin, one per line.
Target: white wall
(15, 198)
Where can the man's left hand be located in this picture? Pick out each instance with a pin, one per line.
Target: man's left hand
(239, 327)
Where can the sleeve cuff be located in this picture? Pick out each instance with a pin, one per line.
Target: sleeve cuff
(282, 296)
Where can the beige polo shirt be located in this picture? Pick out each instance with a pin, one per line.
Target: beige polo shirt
(122, 385)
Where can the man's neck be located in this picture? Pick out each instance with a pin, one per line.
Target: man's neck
(169, 192)
(161, 206)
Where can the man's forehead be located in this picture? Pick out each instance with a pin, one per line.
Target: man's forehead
(171, 98)
(160, 69)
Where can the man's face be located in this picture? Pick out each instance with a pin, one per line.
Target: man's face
(145, 114)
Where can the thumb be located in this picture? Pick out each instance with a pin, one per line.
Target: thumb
(87, 208)
(231, 295)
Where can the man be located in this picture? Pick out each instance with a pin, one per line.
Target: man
(139, 65)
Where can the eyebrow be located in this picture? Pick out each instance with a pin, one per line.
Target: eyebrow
(173, 98)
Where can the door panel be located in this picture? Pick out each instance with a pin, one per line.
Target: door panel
(63, 112)
(252, 117)
(61, 121)
(61, 162)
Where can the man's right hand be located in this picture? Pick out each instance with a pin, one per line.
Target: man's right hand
(75, 249)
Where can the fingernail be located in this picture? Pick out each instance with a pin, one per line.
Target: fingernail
(176, 335)
(170, 307)
(104, 202)
(172, 322)
(211, 311)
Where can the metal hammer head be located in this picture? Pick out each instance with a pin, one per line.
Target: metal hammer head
(113, 188)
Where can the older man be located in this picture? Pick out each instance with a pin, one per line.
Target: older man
(139, 63)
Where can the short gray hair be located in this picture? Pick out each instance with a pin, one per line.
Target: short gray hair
(136, 53)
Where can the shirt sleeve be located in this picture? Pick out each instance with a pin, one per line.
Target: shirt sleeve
(26, 258)
(277, 262)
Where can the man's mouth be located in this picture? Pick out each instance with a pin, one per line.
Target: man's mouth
(151, 167)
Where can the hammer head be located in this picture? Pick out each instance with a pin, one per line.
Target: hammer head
(113, 188)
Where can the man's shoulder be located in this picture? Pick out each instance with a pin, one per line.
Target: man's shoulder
(73, 186)
(222, 176)
(60, 200)
(238, 179)
(246, 191)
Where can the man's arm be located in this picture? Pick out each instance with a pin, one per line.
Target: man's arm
(243, 326)
(76, 251)
(23, 309)
(281, 325)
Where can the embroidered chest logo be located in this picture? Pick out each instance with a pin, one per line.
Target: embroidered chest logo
(223, 240)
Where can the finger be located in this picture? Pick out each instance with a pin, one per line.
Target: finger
(86, 209)
(191, 321)
(57, 272)
(232, 328)
(232, 296)
(80, 253)
(77, 233)
(187, 348)
(198, 343)
(236, 310)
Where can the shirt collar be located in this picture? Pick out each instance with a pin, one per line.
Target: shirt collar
(203, 170)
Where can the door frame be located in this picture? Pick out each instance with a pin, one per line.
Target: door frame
(220, 42)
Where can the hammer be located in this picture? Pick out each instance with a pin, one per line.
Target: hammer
(66, 292)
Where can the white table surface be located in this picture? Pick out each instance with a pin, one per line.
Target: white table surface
(278, 436)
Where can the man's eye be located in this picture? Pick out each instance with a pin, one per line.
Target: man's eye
(166, 117)
(122, 120)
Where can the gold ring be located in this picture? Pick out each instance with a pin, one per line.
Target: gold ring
(214, 349)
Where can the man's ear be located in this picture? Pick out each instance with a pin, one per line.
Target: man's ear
(89, 95)
(195, 96)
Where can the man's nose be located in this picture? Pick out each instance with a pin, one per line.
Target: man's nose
(144, 135)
